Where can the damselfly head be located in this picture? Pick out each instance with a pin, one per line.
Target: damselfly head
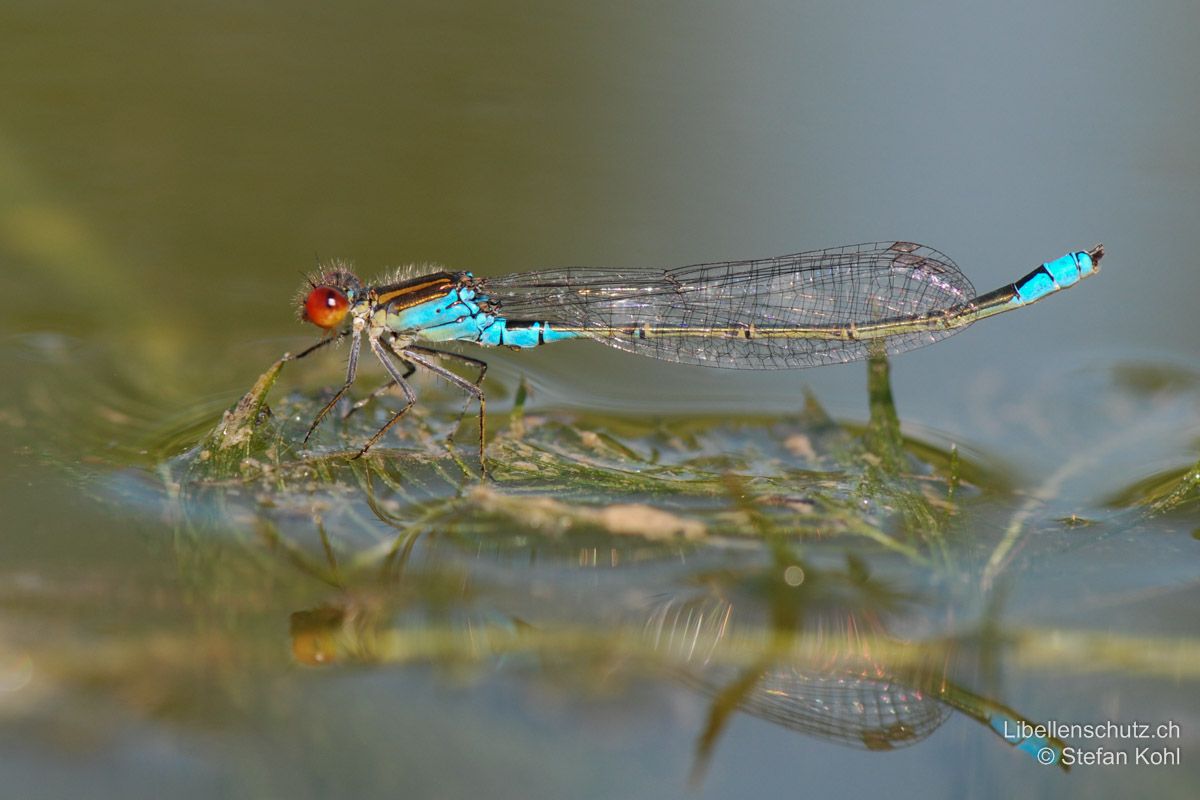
(328, 295)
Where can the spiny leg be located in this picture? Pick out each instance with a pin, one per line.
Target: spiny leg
(398, 380)
(410, 368)
(462, 383)
(468, 360)
(474, 362)
(351, 371)
(314, 348)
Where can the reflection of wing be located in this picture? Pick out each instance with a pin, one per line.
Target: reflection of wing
(855, 709)
(839, 287)
(849, 699)
(851, 702)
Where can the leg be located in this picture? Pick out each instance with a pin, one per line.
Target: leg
(474, 362)
(314, 348)
(351, 371)
(398, 379)
(409, 369)
(449, 356)
(462, 383)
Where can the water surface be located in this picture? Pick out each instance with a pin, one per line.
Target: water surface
(677, 580)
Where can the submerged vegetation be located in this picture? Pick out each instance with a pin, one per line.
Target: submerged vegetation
(819, 575)
(851, 582)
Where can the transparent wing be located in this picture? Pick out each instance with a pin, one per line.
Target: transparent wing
(840, 287)
(850, 700)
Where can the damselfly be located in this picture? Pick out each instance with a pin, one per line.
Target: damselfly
(802, 310)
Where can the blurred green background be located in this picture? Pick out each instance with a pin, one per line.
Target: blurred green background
(168, 172)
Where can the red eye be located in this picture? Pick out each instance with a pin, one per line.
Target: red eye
(325, 307)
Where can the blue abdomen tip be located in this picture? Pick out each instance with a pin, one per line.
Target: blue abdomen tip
(1069, 269)
(1086, 265)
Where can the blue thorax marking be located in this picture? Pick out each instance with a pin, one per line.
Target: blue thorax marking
(439, 310)
(443, 318)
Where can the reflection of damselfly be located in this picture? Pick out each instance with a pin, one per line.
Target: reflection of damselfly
(801, 310)
(843, 692)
